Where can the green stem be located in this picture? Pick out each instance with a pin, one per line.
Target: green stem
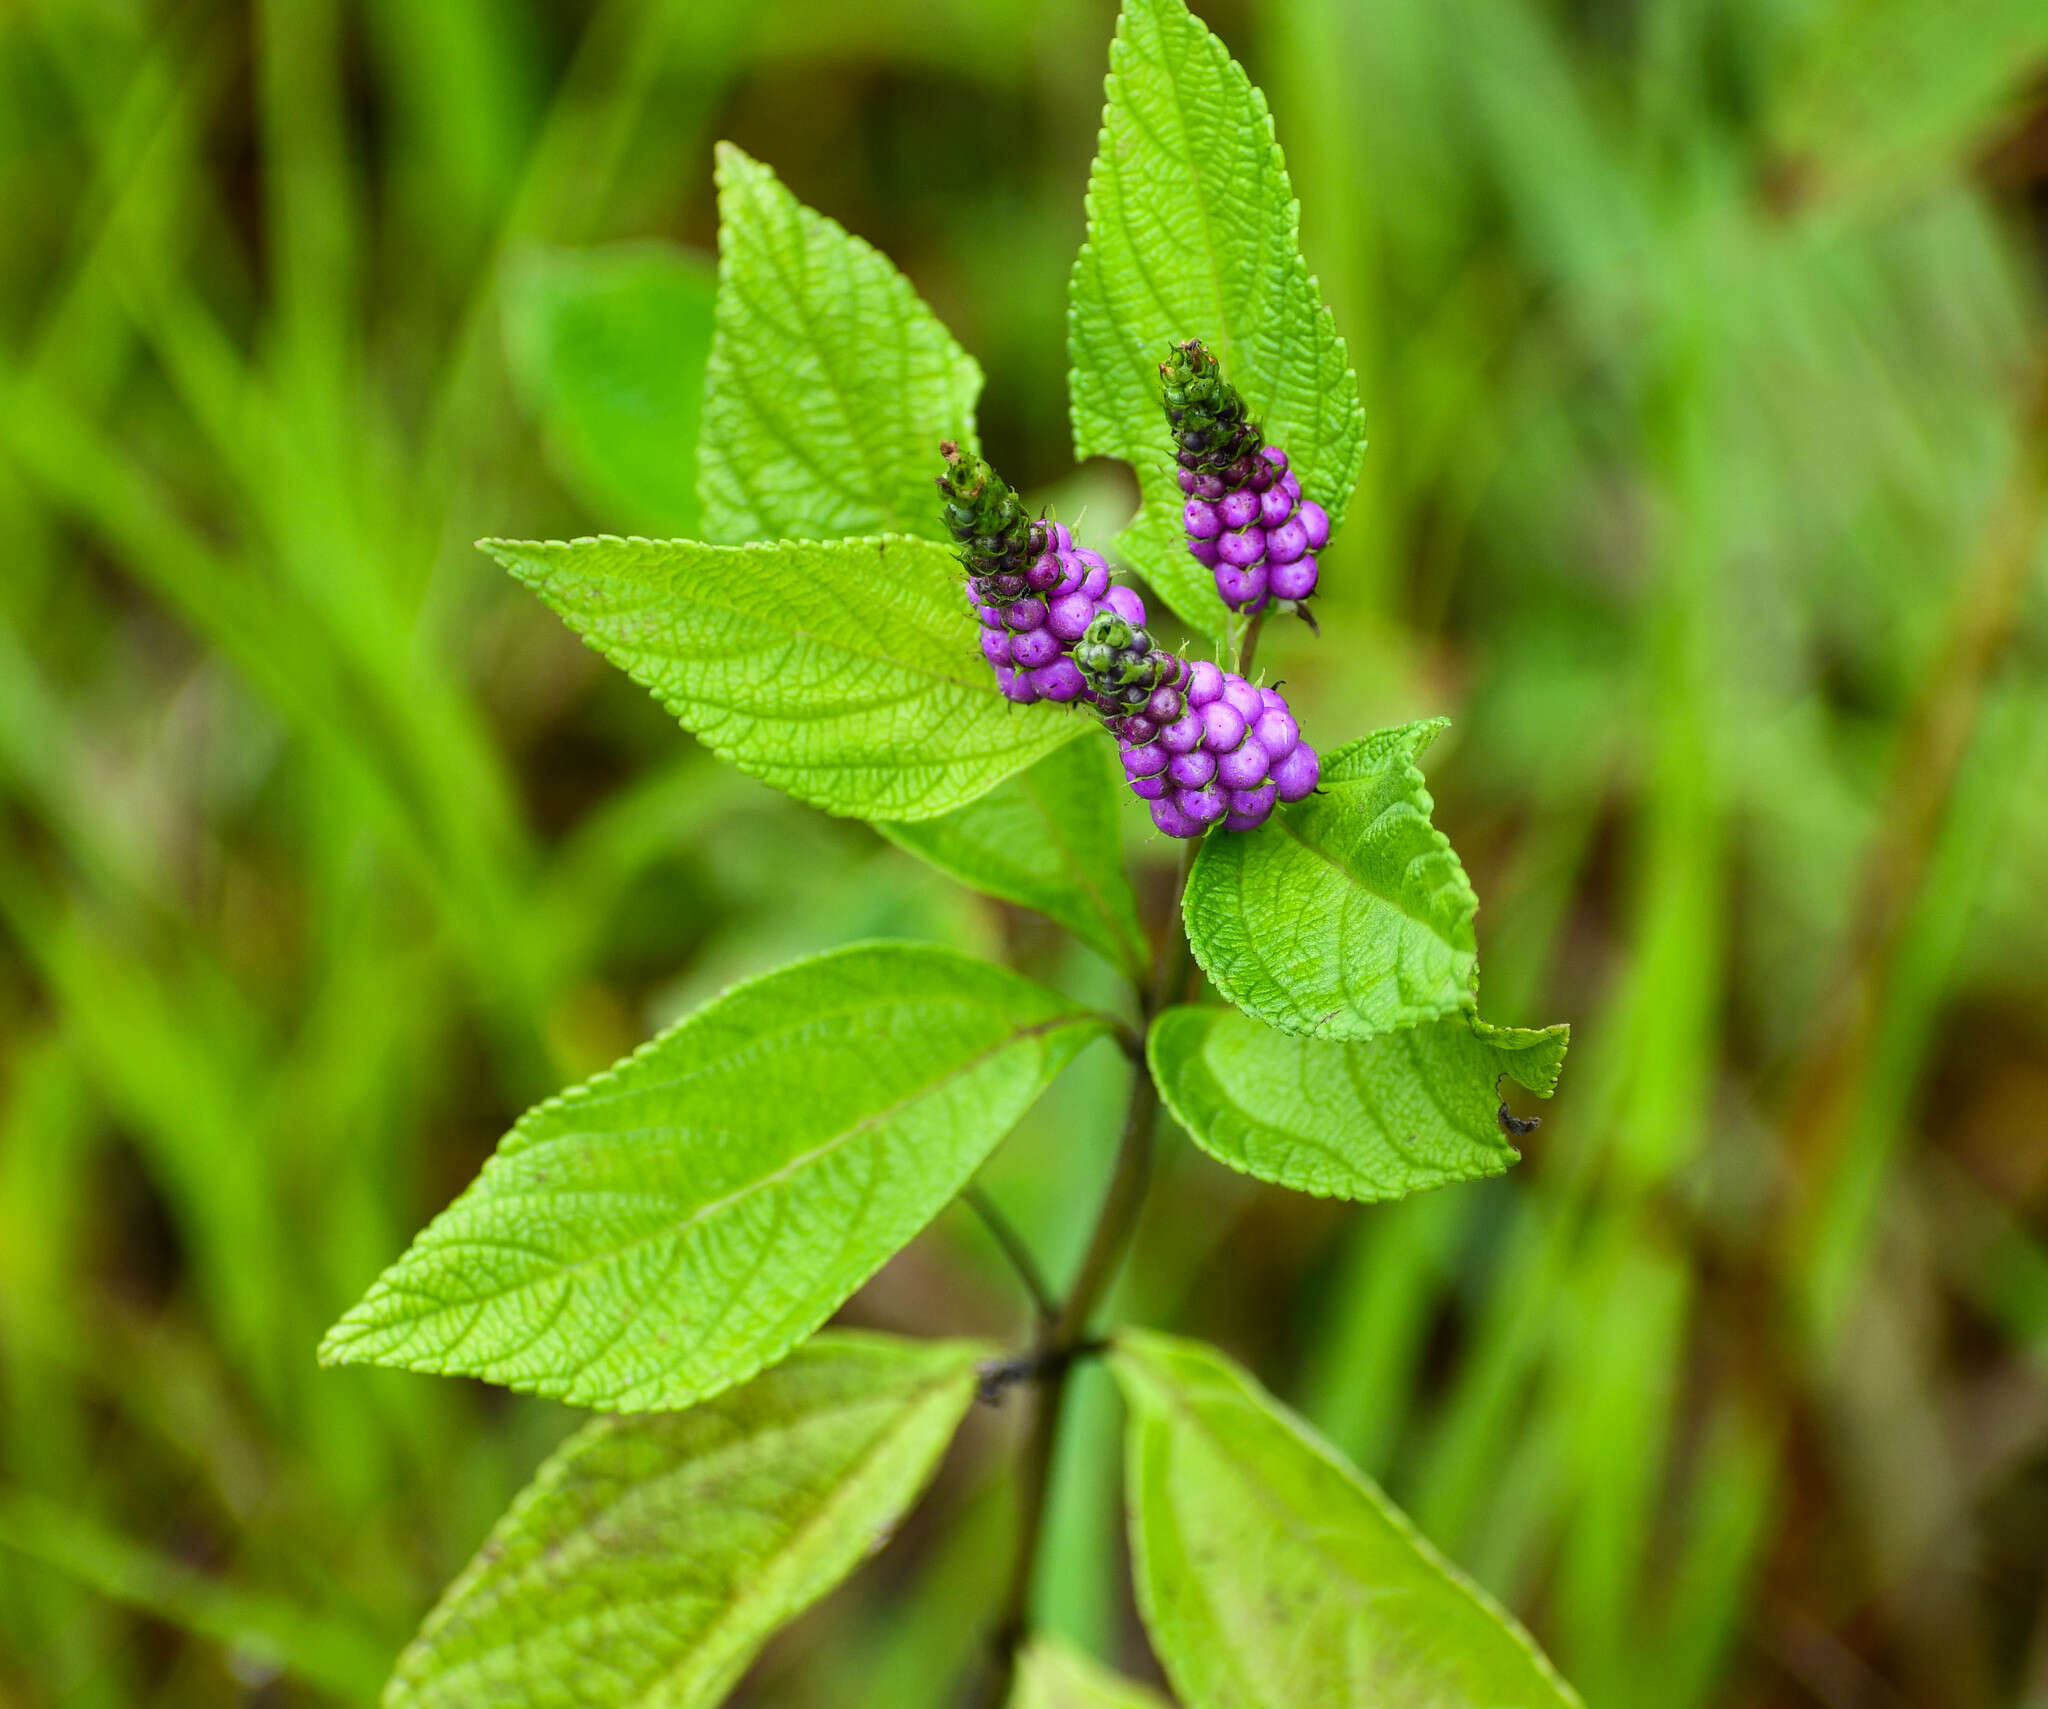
(1011, 1244)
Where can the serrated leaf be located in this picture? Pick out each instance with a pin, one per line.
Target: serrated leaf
(844, 672)
(1053, 1675)
(653, 1555)
(831, 383)
(667, 1229)
(1272, 1575)
(1368, 1119)
(608, 349)
(1193, 231)
(1346, 915)
(1050, 839)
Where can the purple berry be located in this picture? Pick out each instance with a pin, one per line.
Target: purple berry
(1247, 700)
(1209, 487)
(1060, 681)
(1277, 457)
(1184, 734)
(1297, 774)
(1199, 518)
(1240, 588)
(1187, 480)
(1244, 767)
(1275, 730)
(1239, 509)
(1287, 542)
(1149, 788)
(1243, 548)
(1205, 805)
(1292, 581)
(1291, 486)
(1316, 520)
(991, 616)
(1164, 705)
(1027, 614)
(1045, 572)
(1069, 615)
(1249, 808)
(1016, 685)
(995, 647)
(1139, 729)
(1127, 605)
(1072, 574)
(1274, 506)
(1061, 539)
(1034, 647)
(1166, 814)
(1149, 760)
(1097, 583)
(1191, 771)
(1205, 683)
(1222, 726)
(1203, 552)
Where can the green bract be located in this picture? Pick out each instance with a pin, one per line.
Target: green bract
(1192, 233)
(1271, 1575)
(831, 383)
(669, 1228)
(844, 672)
(1370, 1119)
(650, 1559)
(1347, 915)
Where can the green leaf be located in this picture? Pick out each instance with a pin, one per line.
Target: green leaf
(831, 382)
(1048, 839)
(1366, 1119)
(1272, 1575)
(846, 672)
(1193, 232)
(1053, 1675)
(1347, 914)
(687, 1217)
(653, 1555)
(608, 349)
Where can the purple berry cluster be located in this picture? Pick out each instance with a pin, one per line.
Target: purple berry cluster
(1245, 517)
(1199, 743)
(1033, 589)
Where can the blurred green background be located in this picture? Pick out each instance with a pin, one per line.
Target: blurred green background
(1705, 357)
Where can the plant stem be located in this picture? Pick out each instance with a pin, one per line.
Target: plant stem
(1067, 1332)
(1011, 1243)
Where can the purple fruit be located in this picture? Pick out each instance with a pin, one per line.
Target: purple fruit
(1060, 681)
(1186, 479)
(1045, 572)
(1061, 539)
(1247, 700)
(1069, 615)
(1203, 552)
(1205, 805)
(1291, 486)
(1148, 760)
(1164, 705)
(1244, 767)
(1275, 730)
(991, 616)
(1016, 685)
(1243, 548)
(1292, 581)
(1126, 604)
(995, 647)
(1240, 588)
(1184, 734)
(1199, 518)
(1191, 771)
(1222, 726)
(1286, 543)
(1166, 814)
(1209, 487)
(1297, 774)
(1027, 614)
(1274, 506)
(1205, 683)
(1097, 582)
(1149, 788)
(1072, 574)
(1033, 648)
(1139, 729)
(1277, 457)
(1316, 520)
(1239, 509)
(1249, 808)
